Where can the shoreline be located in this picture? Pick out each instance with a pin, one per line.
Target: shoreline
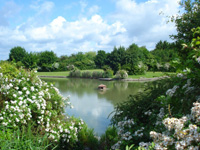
(112, 79)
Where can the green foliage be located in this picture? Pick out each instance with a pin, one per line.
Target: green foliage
(75, 73)
(138, 115)
(87, 139)
(86, 74)
(17, 54)
(23, 139)
(30, 60)
(100, 59)
(187, 21)
(109, 138)
(116, 58)
(164, 54)
(157, 110)
(25, 100)
(97, 74)
(121, 74)
(46, 60)
(108, 73)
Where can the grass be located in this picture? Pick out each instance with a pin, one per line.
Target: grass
(149, 75)
(66, 73)
(63, 73)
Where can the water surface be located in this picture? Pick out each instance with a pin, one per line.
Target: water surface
(91, 104)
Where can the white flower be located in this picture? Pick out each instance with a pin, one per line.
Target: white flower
(17, 120)
(27, 92)
(1, 74)
(20, 103)
(32, 88)
(24, 88)
(20, 92)
(14, 95)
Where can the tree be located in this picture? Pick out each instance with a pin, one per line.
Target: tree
(187, 21)
(17, 54)
(100, 59)
(116, 58)
(46, 60)
(30, 60)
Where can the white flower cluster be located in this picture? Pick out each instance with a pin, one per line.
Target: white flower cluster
(188, 88)
(171, 92)
(123, 133)
(182, 137)
(29, 99)
(148, 113)
(160, 116)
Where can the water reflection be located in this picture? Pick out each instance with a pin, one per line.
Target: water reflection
(91, 104)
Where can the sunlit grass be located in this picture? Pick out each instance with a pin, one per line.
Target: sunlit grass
(150, 75)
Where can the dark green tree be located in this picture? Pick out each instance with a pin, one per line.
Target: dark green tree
(117, 58)
(100, 59)
(30, 60)
(17, 54)
(46, 60)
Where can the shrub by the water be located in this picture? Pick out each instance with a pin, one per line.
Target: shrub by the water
(25, 99)
(121, 74)
(97, 74)
(75, 73)
(167, 115)
(108, 73)
(87, 74)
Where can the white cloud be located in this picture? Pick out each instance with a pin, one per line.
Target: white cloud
(142, 20)
(60, 35)
(131, 22)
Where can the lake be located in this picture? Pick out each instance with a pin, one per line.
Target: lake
(93, 105)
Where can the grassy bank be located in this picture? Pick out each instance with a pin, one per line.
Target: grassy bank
(66, 73)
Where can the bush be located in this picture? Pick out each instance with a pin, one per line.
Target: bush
(108, 73)
(109, 138)
(87, 74)
(121, 74)
(75, 73)
(97, 74)
(24, 138)
(25, 99)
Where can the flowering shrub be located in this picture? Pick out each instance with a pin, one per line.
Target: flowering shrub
(121, 74)
(25, 99)
(177, 124)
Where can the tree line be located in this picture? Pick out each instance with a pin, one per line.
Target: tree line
(134, 59)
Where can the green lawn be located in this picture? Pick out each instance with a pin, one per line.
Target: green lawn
(63, 73)
(149, 75)
(66, 73)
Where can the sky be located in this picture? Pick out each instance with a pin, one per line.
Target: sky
(70, 26)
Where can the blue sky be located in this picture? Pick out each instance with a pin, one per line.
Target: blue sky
(70, 26)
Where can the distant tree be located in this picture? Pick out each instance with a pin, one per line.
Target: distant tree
(116, 58)
(30, 60)
(100, 59)
(133, 58)
(17, 54)
(90, 55)
(46, 60)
